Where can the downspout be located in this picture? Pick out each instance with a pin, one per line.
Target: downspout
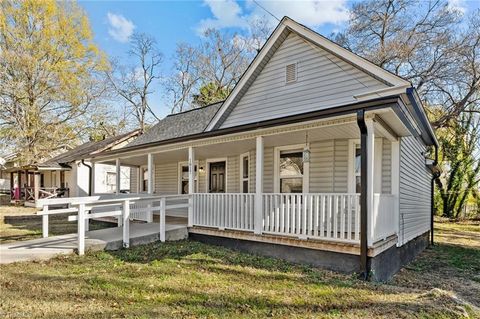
(89, 177)
(432, 189)
(364, 265)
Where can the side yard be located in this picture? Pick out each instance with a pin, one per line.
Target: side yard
(192, 280)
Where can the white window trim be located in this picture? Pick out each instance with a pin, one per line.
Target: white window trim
(276, 166)
(207, 170)
(242, 156)
(378, 164)
(106, 181)
(179, 179)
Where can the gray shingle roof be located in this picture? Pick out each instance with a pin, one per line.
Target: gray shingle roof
(178, 125)
(86, 149)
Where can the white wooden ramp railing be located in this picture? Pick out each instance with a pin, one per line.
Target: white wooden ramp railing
(86, 208)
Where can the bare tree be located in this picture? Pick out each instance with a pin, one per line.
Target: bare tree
(134, 83)
(424, 42)
(184, 79)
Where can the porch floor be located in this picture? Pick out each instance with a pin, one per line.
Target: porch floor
(103, 239)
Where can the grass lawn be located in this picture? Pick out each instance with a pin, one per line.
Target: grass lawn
(21, 223)
(192, 280)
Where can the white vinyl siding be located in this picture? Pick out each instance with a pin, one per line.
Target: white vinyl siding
(415, 201)
(321, 166)
(133, 179)
(386, 167)
(323, 81)
(166, 178)
(340, 170)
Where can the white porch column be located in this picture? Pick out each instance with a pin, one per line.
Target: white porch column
(395, 178)
(93, 179)
(258, 218)
(191, 183)
(117, 181)
(191, 170)
(150, 184)
(150, 173)
(117, 187)
(370, 178)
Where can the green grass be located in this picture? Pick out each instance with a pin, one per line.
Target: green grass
(21, 223)
(192, 280)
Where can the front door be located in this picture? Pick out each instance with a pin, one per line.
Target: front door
(217, 177)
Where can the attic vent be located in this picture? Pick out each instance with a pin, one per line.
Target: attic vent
(291, 73)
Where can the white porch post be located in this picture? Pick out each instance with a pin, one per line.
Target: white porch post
(150, 184)
(93, 179)
(118, 180)
(258, 218)
(191, 183)
(395, 188)
(126, 224)
(117, 187)
(370, 178)
(150, 173)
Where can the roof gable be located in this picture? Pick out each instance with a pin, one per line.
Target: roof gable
(292, 43)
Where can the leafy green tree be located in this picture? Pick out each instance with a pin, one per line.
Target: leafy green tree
(210, 93)
(460, 163)
(49, 76)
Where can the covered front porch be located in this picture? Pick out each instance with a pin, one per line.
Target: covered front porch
(295, 184)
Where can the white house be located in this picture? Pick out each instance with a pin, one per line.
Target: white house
(316, 156)
(69, 175)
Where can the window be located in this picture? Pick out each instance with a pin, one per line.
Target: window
(144, 179)
(111, 181)
(291, 73)
(291, 172)
(357, 169)
(244, 172)
(62, 179)
(184, 179)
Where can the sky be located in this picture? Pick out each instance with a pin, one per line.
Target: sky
(171, 22)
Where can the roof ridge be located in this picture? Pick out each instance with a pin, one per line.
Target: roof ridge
(194, 109)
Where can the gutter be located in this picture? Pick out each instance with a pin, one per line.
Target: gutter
(412, 97)
(364, 265)
(90, 181)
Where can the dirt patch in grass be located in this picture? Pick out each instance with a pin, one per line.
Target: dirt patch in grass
(192, 280)
(22, 223)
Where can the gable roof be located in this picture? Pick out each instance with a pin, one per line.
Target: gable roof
(178, 125)
(285, 27)
(86, 149)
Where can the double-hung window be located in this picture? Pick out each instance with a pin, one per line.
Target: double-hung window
(244, 173)
(291, 171)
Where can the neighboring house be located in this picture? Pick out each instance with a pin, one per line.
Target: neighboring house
(7, 161)
(317, 156)
(69, 175)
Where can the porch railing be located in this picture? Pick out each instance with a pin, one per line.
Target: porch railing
(384, 219)
(333, 217)
(223, 211)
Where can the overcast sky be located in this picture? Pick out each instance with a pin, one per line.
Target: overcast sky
(171, 22)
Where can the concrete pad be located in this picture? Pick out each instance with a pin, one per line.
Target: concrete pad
(103, 239)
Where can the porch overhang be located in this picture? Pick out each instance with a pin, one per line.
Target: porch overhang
(389, 114)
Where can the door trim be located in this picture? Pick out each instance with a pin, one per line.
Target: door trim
(207, 175)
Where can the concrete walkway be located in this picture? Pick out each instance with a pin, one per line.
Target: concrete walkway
(103, 239)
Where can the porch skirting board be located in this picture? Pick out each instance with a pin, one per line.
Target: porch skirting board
(390, 261)
(341, 262)
(387, 258)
